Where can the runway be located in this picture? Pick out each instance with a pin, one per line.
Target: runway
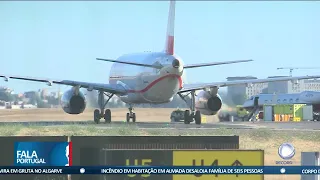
(300, 126)
(149, 118)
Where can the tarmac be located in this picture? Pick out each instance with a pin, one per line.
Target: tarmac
(300, 126)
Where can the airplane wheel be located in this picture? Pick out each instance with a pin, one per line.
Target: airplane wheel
(197, 117)
(96, 116)
(128, 117)
(187, 117)
(107, 116)
(134, 117)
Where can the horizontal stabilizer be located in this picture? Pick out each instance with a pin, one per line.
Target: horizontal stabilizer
(131, 63)
(214, 63)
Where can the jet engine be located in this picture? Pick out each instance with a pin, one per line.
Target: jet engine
(207, 103)
(73, 101)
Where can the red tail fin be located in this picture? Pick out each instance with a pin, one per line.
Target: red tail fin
(169, 48)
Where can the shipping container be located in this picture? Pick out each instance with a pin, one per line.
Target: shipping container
(285, 112)
(288, 112)
(278, 109)
(288, 108)
(267, 113)
(281, 109)
(307, 112)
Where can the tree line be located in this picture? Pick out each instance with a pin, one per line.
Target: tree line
(37, 99)
(92, 99)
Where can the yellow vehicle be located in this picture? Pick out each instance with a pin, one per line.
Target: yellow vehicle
(242, 113)
(239, 114)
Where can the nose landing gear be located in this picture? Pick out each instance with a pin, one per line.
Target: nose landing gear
(131, 114)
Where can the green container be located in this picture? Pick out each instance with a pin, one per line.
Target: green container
(278, 109)
(288, 108)
(295, 110)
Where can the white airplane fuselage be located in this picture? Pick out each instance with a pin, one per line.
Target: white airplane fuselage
(147, 84)
(305, 97)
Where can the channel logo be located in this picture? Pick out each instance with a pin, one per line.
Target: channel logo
(43, 154)
(286, 151)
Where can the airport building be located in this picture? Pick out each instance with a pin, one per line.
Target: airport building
(244, 90)
(287, 87)
(284, 87)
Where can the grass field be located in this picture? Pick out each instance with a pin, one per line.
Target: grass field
(265, 139)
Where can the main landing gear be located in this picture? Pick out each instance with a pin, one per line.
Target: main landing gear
(193, 115)
(131, 114)
(102, 113)
(106, 114)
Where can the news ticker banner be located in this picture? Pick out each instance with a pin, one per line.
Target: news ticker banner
(177, 170)
(164, 158)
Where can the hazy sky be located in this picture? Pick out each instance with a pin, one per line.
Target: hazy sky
(62, 39)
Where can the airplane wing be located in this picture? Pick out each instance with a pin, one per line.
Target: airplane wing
(131, 63)
(191, 87)
(187, 66)
(111, 88)
(214, 63)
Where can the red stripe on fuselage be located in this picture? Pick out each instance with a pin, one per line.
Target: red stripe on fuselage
(156, 81)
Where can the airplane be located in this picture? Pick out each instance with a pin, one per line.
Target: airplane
(305, 97)
(150, 77)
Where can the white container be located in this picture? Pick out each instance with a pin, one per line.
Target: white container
(307, 113)
(267, 113)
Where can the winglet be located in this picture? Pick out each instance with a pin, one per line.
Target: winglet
(169, 46)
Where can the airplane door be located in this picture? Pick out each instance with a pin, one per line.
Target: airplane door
(256, 101)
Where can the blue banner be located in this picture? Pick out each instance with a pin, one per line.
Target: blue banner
(42, 153)
(161, 170)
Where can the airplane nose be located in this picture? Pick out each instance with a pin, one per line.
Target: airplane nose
(176, 63)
